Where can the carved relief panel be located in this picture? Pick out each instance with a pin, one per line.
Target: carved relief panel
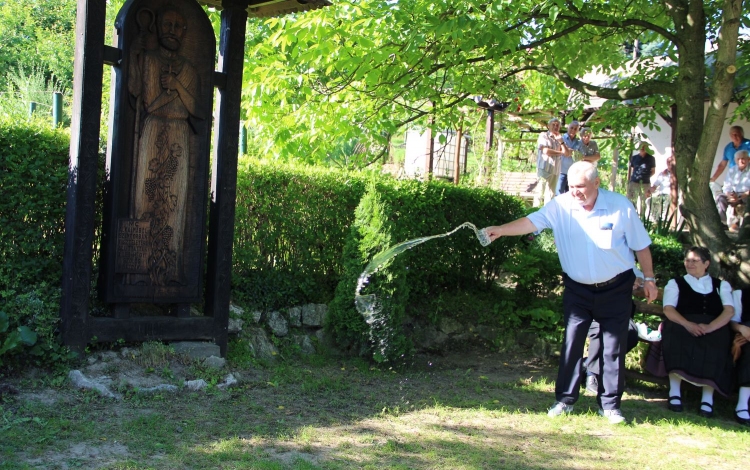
(158, 154)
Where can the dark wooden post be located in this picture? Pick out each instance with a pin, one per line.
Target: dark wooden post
(84, 149)
(224, 171)
(429, 152)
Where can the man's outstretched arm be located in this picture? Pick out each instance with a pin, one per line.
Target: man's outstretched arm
(520, 226)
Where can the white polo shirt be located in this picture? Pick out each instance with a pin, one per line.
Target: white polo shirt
(597, 245)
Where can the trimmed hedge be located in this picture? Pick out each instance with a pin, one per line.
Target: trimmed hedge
(395, 211)
(291, 224)
(33, 179)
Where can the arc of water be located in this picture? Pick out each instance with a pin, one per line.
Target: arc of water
(366, 304)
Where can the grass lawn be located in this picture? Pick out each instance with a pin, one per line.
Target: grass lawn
(464, 410)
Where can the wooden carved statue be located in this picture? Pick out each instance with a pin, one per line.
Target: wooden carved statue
(164, 85)
(155, 207)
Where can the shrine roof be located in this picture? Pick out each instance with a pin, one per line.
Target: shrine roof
(271, 8)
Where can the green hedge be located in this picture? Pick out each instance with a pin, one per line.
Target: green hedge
(395, 211)
(33, 178)
(290, 228)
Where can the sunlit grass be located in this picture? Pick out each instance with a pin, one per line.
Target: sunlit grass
(343, 415)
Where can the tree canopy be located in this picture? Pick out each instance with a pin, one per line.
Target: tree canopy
(36, 51)
(365, 69)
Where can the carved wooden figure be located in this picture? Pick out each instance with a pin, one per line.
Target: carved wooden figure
(156, 194)
(155, 209)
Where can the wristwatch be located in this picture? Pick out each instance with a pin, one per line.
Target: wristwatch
(646, 279)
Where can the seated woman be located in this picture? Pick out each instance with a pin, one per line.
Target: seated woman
(741, 349)
(696, 339)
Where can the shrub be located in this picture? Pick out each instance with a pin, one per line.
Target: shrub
(392, 212)
(291, 224)
(33, 179)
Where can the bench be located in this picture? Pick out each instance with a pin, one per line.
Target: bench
(519, 184)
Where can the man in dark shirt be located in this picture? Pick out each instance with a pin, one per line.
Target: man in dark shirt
(642, 168)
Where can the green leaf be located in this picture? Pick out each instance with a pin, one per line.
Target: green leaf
(11, 342)
(553, 12)
(27, 335)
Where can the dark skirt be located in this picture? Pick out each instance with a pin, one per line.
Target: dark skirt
(742, 367)
(705, 360)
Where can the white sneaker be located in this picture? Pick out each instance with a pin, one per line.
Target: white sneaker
(558, 409)
(613, 416)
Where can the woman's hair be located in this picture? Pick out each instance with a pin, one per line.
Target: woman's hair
(702, 252)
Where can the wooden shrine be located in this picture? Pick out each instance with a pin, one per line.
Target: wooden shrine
(167, 230)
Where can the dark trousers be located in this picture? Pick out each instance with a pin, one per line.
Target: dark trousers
(610, 306)
(562, 185)
(722, 204)
(593, 363)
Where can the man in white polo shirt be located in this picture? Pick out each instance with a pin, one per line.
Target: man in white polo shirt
(596, 232)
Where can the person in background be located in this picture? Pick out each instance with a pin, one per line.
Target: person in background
(642, 167)
(737, 142)
(740, 324)
(658, 196)
(596, 232)
(696, 338)
(589, 148)
(550, 151)
(735, 191)
(573, 144)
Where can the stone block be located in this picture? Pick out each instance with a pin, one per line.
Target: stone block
(277, 323)
(235, 326)
(294, 315)
(314, 314)
(305, 343)
(262, 348)
(235, 311)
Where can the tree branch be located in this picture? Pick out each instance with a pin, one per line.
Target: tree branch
(652, 87)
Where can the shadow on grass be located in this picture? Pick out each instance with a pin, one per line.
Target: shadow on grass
(478, 411)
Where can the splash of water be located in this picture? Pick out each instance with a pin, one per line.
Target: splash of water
(368, 305)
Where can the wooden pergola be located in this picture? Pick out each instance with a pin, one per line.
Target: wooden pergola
(91, 54)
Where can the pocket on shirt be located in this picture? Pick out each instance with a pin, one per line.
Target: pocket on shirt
(603, 239)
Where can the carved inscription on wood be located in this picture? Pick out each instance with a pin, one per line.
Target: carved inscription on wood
(133, 246)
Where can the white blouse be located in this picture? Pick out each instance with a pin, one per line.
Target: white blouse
(701, 285)
(737, 296)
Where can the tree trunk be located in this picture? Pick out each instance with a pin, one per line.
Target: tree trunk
(696, 139)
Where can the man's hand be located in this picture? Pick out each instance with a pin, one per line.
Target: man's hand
(649, 288)
(493, 232)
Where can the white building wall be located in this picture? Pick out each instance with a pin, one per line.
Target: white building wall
(660, 140)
